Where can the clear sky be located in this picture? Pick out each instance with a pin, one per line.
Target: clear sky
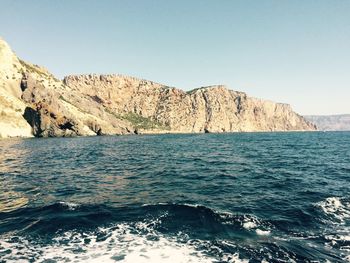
(295, 51)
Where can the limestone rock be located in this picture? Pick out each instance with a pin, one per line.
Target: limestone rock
(34, 102)
(12, 123)
(44, 113)
(207, 109)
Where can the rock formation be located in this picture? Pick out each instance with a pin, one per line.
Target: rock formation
(207, 109)
(34, 103)
(12, 107)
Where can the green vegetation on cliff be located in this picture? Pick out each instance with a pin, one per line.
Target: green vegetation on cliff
(141, 122)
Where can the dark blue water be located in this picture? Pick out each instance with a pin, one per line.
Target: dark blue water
(244, 197)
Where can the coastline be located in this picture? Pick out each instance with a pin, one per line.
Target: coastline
(169, 133)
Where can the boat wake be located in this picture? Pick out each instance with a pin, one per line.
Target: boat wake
(71, 232)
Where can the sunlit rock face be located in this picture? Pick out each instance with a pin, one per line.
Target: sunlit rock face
(35, 103)
(207, 109)
(12, 123)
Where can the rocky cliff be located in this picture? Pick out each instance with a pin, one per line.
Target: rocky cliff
(12, 107)
(34, 103)
(207, 109)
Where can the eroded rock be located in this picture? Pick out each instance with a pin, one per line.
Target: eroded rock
(33, 101)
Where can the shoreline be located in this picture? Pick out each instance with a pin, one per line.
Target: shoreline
(170, 133)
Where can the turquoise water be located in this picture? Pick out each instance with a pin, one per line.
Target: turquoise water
(243, 197)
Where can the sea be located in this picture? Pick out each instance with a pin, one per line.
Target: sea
(238, 197)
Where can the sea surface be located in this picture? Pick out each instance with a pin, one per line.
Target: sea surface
(241, 197)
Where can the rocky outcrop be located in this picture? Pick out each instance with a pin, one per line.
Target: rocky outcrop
(34, 103)
(12, 107)
(44, 113)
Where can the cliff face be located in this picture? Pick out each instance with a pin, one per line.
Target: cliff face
(34, 103)
(12, 107)
(208, 109)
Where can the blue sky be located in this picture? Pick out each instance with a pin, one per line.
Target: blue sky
(295, 51)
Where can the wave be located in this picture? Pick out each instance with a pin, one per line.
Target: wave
(137, 242)
(164, 217)
(164, 232)
(200, 216)
(11, 200)
(336, 213)
(67, 231)
(69, 205)
(336, 208)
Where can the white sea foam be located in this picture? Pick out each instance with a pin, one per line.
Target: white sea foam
(338, 238)
(120, 243)
(69, 205)
(250, 222)
(263, 232)
(336, 207)
(342, 237)
(340, 241)
(249, 225)
(253, 223)
(234, 258)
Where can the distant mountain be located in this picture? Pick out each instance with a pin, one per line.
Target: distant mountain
(330, 122)
(35, 103)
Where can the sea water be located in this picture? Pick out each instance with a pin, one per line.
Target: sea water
(240, 197)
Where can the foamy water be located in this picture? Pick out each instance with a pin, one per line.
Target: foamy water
(121, 243)
(336, 207)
